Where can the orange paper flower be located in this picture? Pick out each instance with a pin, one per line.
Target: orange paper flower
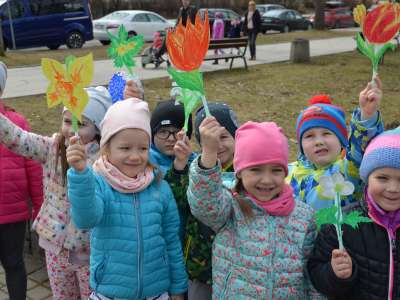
(382, 24)
(188, 45)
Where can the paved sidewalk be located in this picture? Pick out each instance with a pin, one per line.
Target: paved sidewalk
(30, 80)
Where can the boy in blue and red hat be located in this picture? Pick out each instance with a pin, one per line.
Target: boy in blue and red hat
(326, 147)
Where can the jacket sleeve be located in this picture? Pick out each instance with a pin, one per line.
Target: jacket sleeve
(22, 142)
(257, 20)
(86, 198)
(179, 278)
(244, 25)
(320, 269)
(209, 200)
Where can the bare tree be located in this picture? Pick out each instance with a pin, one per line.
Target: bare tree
(319, 20)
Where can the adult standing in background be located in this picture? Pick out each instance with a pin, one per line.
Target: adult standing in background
(251, 27)
(186, 11)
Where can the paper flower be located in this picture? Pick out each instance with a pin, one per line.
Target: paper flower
(116, 87)
(67, 84)
(123, 49)
(334, 187)
(335, 184)
(379, 27)
(187, 46)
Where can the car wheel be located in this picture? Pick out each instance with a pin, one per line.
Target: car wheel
(337, 25)
(74, 40)
(131, 34)
(105, 43)
(264, 31)
(53, 47)
(285, 29)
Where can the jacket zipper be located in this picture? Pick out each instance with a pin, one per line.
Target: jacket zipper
(392, 245)
(139, 246)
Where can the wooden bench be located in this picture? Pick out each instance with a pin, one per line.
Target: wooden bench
(236, 43)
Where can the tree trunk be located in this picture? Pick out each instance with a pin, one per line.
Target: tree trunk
(319, 20)
(2, 53)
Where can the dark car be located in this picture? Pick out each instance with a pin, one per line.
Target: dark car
(263, 8)
(284, 20)
(228, 16)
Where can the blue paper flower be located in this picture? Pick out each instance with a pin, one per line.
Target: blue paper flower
(116, 86)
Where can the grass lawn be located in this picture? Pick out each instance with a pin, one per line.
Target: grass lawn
(273, 92)
(33, 57)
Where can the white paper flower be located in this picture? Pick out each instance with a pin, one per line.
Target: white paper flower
(330, 185)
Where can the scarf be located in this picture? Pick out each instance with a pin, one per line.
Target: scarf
(120, 181)
(283, 205)
(388, 219)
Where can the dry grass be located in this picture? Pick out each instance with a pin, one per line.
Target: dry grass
(273, 92)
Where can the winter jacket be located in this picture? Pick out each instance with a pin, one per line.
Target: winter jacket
(185, 13)
(258, 258)
(196, 237)
(256, 21)
(21, 179)
(375, 259)
(135, 248)
(304, 177)
(53, 223)
(218, 29)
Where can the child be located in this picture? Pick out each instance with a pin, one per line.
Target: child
(368, 267)
(322, 135)
(167, 119)
(234, 31)
(263, 235)
(196, 237)
(218, 31)
(20, 184)
(135, 248)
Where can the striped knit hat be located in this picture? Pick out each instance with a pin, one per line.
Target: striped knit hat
(382, 152)
(322, 113)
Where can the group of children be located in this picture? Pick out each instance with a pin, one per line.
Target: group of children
(235, 221)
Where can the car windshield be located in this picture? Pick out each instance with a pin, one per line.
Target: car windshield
(117, 15)
(273, 13)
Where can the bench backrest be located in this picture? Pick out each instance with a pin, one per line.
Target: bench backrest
(228, 43)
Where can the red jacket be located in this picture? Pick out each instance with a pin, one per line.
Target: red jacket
(20, 180)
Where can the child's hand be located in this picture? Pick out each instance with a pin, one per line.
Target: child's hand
(177, 297)
(341, 264)
(132, 91)
(182, 150)
(76, 154)
(370, 99)
(210, 132)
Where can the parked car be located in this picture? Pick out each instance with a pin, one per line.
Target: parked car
(48, 23)
(136, 22)
(228, 16)
(284, 20)
(263, 8)
(337, 18)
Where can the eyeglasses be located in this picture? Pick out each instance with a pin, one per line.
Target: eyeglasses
(164, 134)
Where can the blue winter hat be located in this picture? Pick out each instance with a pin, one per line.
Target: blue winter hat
(382, 152)
(321, 113)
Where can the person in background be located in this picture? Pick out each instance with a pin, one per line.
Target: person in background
(186, 11)
(251, 27)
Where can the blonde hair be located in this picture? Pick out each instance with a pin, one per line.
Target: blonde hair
(252, 3)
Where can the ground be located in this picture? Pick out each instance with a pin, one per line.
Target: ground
(271, 92)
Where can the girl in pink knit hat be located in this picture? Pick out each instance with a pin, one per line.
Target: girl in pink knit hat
(263, 237)
(135, 247)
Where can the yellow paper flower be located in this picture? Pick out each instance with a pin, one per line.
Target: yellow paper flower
(359, 13)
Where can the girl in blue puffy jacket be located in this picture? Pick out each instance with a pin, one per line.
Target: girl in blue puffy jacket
(135, 247)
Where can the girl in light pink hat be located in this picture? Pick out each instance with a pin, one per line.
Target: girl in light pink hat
(263, 237)
(135, 247)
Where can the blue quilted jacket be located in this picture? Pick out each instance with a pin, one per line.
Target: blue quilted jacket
(135, 249)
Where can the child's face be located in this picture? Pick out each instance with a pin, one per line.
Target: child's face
(87, 131)
(165, 139)
(321, 146)
(265, 182)
(128, 151)
(226, 148)
(384, 188)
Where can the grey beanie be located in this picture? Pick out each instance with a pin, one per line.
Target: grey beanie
(3, 77)
(99, 102)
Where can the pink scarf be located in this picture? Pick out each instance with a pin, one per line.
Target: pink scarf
(121, 182)
(281, 206)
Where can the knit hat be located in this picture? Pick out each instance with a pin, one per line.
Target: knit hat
(129, 113)
(382, 152)
(225, 116)
(169, 113)
(3, 77)
(322, 113)
(268, 146)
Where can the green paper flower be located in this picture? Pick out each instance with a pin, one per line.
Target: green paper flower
(123, 49)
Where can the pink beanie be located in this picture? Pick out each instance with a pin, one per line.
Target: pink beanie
(260, 143)
(129, 113)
